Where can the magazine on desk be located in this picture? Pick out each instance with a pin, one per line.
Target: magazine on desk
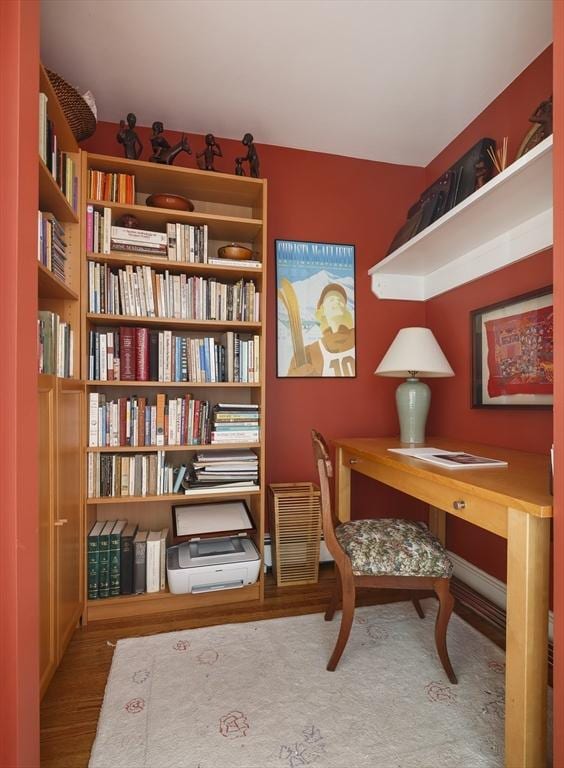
(450, 459)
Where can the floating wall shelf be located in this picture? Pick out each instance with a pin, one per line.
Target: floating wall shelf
(508, 219)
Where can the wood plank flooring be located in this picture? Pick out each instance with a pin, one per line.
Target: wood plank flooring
(70, 708)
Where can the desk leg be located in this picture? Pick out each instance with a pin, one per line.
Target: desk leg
(342, 488)
(437, 523)
(528, 558)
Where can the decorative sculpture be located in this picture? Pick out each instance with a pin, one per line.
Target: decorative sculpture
(212, 149)
(252, 156)
(162, 151)
(239, 170)
(541, 128)
(129, 138)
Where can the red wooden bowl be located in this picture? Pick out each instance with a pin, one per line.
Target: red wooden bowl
(174, 202)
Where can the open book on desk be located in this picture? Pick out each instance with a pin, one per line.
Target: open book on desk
(450, 459)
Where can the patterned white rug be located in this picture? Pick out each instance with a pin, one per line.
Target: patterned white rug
(257, 695)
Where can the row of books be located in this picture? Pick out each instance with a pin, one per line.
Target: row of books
(143, 354)
(113, 187)
(139, 291)
(55, 345)
(62, 165)
(136, 421)
(123, 560)
(122, 475)
(223, 470)
(235, 423)
(51, 245)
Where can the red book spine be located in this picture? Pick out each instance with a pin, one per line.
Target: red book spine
(142, 354)
(196, 432)
(127, 353)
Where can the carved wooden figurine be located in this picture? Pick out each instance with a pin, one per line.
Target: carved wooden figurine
(239, 170)
(129, 138)
(206, 157)
(162, 151)
(252, 156)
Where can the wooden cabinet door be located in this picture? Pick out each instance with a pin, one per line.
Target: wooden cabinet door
(68, 522)
(48, 657)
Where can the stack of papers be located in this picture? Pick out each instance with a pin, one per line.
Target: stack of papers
(450, 459)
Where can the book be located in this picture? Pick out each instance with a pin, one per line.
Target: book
(93, 558)
(115, 557)
(153, 562)
(164, 537)
(450, 459)
(126, 559)
(139, 561)
(104, 559)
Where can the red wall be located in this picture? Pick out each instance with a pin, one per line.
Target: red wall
(449, 317)
(19, 616)
(327, 198)
(558, 714)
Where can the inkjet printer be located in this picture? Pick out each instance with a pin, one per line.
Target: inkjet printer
(209, 564)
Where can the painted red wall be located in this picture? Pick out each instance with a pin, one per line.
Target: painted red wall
(19, 616)
(327, 198)
(558, 680)
(449, 317)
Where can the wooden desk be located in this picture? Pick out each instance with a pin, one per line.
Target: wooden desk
(512, 502)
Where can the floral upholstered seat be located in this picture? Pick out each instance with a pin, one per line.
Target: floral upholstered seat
(391, 547)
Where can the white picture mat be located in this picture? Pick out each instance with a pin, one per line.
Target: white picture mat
(195, 519)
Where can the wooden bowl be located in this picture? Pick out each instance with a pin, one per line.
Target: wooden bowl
(234, 251)
(174, 202)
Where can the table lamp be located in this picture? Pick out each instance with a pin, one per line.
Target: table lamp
(414, 352)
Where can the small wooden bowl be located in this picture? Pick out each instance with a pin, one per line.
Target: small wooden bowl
(234, 251)
(174, 202)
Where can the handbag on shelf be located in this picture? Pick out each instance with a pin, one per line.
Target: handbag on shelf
(447, 191)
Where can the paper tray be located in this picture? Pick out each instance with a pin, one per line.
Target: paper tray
(214, 518)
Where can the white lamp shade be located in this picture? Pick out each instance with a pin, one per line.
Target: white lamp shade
(414, 351)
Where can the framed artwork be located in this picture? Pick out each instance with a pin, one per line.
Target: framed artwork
(315, 327)
(512, 352)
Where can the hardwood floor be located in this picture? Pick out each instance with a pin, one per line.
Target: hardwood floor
(70, 708)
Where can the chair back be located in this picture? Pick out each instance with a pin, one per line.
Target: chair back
(325, 470)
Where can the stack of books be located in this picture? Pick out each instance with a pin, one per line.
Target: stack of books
(51, 245)
(139, 241)
(235, 423)
(113, 187)
(218, 471)
(123, 560)
(55, 342)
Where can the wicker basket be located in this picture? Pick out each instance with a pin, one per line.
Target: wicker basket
(295, 531)
(77, 112)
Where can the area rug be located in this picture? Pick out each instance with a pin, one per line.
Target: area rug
(257, 695)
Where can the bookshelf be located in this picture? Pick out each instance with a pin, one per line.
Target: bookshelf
(234, 210)
(60, 410)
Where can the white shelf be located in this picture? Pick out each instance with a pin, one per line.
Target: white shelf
(508, 219)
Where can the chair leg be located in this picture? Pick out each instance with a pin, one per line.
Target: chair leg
(349, 595)
(335, 597)
(446, 603)
(418, 608)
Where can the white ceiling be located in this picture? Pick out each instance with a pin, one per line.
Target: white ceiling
(389, 80)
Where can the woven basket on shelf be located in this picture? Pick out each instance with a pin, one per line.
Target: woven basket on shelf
(77, 112)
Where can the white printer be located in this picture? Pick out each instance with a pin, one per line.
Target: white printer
(210, 564)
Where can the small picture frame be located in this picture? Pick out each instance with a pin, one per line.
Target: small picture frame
(512, 352)
(214, 518)
(315, 324)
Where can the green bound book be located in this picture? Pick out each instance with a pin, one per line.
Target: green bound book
(93, 558)
(104, 559)
(114, 559)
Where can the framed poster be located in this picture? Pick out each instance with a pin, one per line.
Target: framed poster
(512, 343)
(315, 309)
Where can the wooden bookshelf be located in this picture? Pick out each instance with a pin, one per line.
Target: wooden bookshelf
(234, 209)
(61, 424)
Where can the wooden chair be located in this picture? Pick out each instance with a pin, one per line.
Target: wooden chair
(381, 553)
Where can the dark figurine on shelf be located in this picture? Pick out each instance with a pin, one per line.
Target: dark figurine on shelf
(239, 170)
(129, 138)
(543, 116)
(252, 156)
(212, 149)
(162, 151)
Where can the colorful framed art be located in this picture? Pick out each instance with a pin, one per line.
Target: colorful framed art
(512, 345)
(315, 309)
